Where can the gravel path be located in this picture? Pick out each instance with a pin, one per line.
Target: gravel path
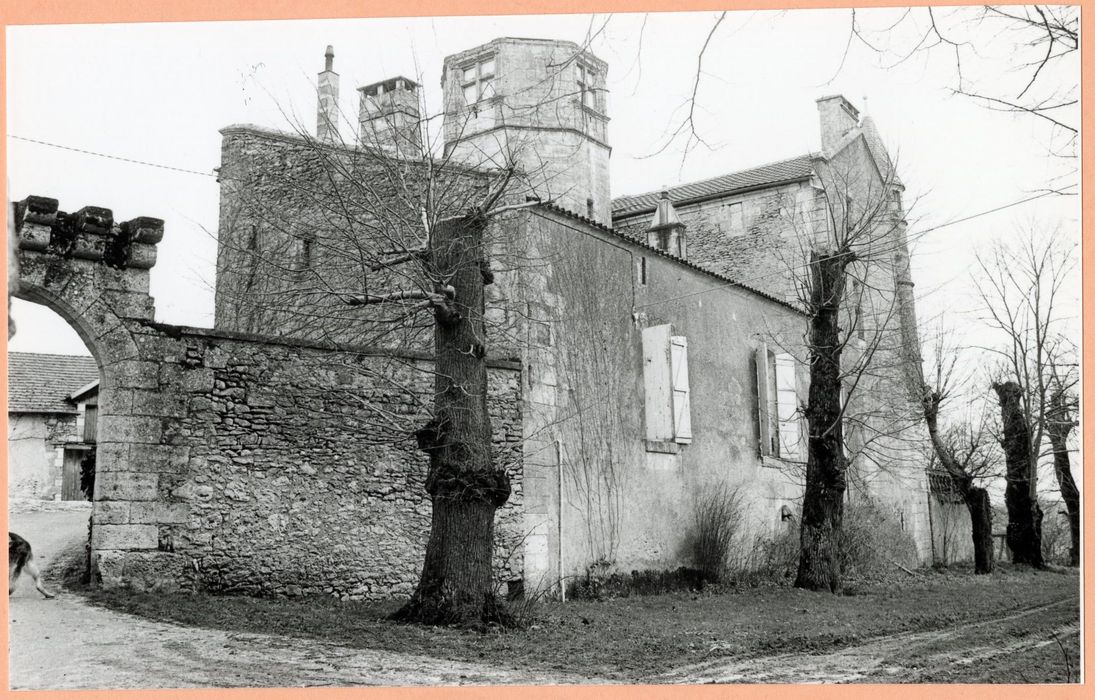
(67, 644)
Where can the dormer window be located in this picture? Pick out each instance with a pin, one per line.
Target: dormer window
(477, 80)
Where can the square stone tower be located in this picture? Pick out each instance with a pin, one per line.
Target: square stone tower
(538, 103)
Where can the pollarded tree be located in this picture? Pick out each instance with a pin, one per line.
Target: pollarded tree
(1060, 419)
(849, 287)
(389, 244)
(1025, 288)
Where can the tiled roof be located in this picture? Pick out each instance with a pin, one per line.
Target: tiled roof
(798, 168)
(39, 383)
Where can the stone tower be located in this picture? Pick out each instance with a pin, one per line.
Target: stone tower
(541, 104)
(390, 118)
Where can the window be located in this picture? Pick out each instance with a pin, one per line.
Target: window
(665, 381)
(642, 270)
(477, 80)
(778, 414)
(586, 79)
(735, 220)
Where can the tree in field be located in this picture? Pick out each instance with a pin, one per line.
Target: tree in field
(368, 246)
(1063, 405)
(390, 243)
(1025, 290)
(964, 452)
(854, 347)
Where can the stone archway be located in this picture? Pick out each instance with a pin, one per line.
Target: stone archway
(94, 273)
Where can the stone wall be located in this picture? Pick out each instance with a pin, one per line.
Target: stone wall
(762, 252)
(277, 468)
(303, 224)
(239, 462)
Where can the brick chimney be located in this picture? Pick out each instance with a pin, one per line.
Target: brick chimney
(837, 117)
(389, 116)
(327, 107)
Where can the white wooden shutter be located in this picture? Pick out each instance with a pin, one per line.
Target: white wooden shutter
(682, 414)
(657, 383)
(762, 400)
(790, 446)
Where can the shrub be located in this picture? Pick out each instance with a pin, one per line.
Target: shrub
(598, 584)
(872, 541)
(773, 559)
(717, 520)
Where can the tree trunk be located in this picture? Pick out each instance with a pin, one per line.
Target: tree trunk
(819, 566)
(465, 486)
(977, 499)
(1060, 425)
(1024, 515)
(980, 508)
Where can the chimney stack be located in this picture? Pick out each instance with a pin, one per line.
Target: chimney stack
(390, 118)
(327, 107)
(837, 117)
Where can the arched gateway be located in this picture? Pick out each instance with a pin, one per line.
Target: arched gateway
(232, 461)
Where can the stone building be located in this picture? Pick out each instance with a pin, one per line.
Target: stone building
(642, 350)
(52, 406)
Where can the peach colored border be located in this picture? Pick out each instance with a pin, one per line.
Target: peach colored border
(17, 12)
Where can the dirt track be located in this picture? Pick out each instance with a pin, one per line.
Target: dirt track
(901, 658)
(66, 643)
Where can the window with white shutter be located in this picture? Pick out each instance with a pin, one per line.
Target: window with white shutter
(678, 362)
(666, 385)
(777, 405)
(790, 437)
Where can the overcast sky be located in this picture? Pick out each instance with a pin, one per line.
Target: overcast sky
(160, 92)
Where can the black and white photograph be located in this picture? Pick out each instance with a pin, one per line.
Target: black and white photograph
(669, 348)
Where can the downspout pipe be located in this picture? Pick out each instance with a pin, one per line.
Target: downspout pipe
(559, 519)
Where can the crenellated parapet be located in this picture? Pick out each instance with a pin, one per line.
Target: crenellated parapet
(74, 261)
(88, 234)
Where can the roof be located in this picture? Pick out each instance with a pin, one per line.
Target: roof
(790, 170)
(40, 383)
(552, 207)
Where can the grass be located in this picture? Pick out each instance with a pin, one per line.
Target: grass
(631, 638)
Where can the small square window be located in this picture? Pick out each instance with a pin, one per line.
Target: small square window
(470, 74)
(486, 68)
(471, 93)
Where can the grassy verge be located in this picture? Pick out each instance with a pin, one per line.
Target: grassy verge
(630, 638)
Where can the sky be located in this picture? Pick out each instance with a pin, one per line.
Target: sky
(159, 93)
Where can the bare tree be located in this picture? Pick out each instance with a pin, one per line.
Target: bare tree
(386, 244)
(1024, 290)
(853, 344)
(1063, 406)
(964, 452)
(1010, 58)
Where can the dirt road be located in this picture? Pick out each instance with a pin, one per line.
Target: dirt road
(965, 653)
(67, 644)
